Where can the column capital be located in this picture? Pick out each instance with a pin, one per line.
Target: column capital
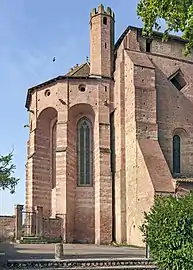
(19, 206)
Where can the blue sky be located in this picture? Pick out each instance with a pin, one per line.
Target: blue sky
(31, 34)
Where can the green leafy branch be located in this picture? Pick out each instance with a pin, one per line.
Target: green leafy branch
(7, 168)
(178, 15)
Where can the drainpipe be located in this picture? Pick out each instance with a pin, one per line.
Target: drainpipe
(112, 145)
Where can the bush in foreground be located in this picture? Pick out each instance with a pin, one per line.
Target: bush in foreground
(169, 230)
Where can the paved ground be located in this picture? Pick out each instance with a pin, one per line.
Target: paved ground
(46, 251)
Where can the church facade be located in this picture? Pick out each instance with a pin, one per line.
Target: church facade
(111, 134)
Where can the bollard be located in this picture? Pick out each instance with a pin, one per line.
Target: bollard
(147, 250)
(58, 251)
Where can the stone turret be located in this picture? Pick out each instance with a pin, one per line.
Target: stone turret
(101, 41)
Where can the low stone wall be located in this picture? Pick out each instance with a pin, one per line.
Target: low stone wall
(7, 227)
(52, 228)
(97, 263)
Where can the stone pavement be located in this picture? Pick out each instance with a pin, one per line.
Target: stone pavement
(46, 251)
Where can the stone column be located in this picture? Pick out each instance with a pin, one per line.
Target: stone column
(18, 221)
(39, 220)
(32, 222)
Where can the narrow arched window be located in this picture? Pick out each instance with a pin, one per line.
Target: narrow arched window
(84, 152)
(176, 154)
(105, 20)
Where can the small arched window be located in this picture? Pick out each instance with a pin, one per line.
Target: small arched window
(84, 152)
(176, 154)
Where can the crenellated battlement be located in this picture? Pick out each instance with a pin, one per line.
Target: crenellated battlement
(101, 10)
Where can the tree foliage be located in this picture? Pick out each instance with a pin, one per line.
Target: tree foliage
(178, 15)
(169, 227)
(7, 168)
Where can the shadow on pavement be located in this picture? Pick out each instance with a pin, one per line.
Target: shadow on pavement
(5, 248)
(16, 251)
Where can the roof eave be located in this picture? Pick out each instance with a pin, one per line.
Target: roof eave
(54, 80)
(30, 90)
(155, 34)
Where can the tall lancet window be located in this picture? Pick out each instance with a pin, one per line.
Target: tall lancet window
(84, 152)
(176, 154)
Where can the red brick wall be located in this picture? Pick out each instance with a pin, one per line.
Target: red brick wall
(101, 43)
(91, 204)
(135, 97)
(84, 217)
(147, 107)
(184, 188)
(174, 110)
(88, 211)
(80, 200)
(52, 227)
(42, 184)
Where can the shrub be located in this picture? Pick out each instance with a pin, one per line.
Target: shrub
(169, 230)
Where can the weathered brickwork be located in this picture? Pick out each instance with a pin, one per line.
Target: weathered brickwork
(130, 79)
(7, 227)
(52, 228)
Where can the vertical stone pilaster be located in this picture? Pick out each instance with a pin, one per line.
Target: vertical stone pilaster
(61, 149)
(39, 220)
(18, 221)
(33, 218)
(103, 188)
(120, 134)
(31, 221)
(61, 152)
(30, 170)
(36, 223)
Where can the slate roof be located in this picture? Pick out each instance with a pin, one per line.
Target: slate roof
(80, 71)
